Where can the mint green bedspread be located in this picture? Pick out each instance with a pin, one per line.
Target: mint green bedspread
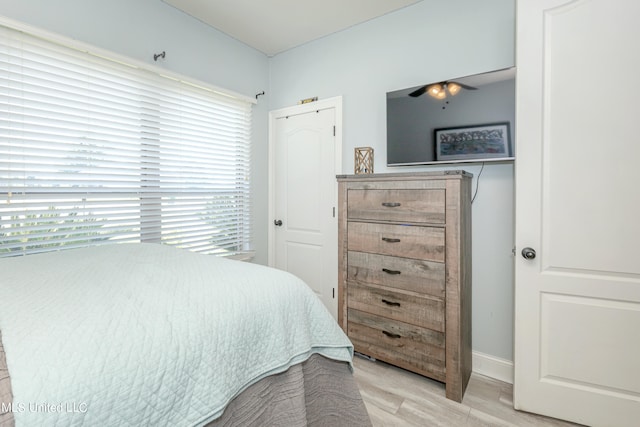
(146, 334)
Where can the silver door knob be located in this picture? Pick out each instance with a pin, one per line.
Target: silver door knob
(277, 222)
(529, 253)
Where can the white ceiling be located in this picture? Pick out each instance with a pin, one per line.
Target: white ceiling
(273, 26)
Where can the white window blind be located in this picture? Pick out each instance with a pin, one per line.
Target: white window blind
(94, 151)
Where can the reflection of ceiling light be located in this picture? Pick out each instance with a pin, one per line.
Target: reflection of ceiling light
(439, 91)
(435, 90)
(453, 88)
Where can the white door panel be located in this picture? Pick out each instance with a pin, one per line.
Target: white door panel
(588, 137)
(302, 261)
(304, 174)
(577, 204)
(589, 326)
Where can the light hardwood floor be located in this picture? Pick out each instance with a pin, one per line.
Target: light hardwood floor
(396, 397)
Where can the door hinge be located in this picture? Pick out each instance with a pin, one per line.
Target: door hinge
(334, 293)
(334, 131)
(334, 211)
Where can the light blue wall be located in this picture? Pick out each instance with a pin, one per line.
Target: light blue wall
(140, 28)
(430, 41)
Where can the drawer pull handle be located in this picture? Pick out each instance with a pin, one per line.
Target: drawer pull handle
(391, 303)
(386, 270)
(391, 335)
(391, 204)
(389, 240)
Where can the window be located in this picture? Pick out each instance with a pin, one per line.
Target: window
(96, 151)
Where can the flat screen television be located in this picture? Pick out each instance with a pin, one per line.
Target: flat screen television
(466, 119)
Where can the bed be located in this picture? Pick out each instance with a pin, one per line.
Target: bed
(147, 334)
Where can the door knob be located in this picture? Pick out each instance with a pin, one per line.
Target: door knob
(277, 222)
(529, 253)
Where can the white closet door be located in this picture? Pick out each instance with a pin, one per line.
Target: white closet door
(577, 306)
(305, 224)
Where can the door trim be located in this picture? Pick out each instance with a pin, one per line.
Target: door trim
(324, 104)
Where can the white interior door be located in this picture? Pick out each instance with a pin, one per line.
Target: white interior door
(577, 303)
(305, 199)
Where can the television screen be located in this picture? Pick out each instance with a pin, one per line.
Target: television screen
(467, 119)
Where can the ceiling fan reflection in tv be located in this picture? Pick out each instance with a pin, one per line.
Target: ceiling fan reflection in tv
(441, 89)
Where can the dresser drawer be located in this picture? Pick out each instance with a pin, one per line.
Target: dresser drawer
(407, 307)
(422, 206)
(408, 346)
(415, 275)
(405, 241)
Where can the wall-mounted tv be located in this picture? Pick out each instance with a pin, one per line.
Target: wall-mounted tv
(466, 119)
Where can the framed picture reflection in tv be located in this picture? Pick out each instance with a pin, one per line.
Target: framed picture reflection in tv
(476, 142)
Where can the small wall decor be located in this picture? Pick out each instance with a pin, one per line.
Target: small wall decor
(363, 160)
(308, 100)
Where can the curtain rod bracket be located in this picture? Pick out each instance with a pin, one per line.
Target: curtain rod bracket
(259, 94)
(159, 55)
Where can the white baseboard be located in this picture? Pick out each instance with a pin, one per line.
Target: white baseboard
(491, 366)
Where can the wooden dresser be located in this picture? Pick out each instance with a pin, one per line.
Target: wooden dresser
(404, 292)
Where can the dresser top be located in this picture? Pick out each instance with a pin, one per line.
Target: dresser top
(450, 174)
